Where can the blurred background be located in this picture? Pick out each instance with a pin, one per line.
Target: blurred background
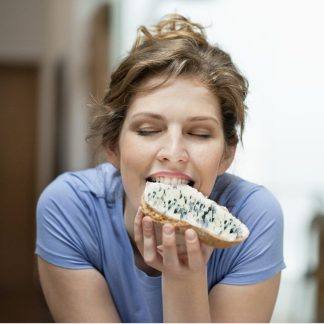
(55, 54)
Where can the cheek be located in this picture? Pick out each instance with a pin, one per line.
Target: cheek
(208, 157)
(133, 152)
(210, 147)
(135, 148)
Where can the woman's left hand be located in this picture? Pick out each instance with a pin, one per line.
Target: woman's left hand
(198, 253)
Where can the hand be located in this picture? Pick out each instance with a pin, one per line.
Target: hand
(198, 253)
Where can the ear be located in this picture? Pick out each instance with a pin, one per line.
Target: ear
(113, 157)
(227, 159)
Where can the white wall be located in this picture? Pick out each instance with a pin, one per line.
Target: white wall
(278, 45)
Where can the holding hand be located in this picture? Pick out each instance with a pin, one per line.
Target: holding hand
(168, 262)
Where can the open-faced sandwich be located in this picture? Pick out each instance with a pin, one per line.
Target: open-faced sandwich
(185, 207)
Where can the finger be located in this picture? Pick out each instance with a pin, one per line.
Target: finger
(184, 260)
(150, 254)
(195, 257)
(183, 257)
(160, 249)
(207, 251)
(138, 231)
(170, 255)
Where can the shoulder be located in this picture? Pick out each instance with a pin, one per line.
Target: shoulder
(260, 256)
(246, 199)
(64, 192)
(99, 182)
(230, 189)
(78, 200)
(69, 215)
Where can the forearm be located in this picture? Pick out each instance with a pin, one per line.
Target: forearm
(186, 300)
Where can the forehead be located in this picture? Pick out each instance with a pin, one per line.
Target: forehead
(179, 95)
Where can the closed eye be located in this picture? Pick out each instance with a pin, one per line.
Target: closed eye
(147, 133)
(202, 135)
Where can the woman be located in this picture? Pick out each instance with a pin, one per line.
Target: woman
(173, 108)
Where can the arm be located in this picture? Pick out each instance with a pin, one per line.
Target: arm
(246, 303)
(76, 295)
(186, 300)
(259, 257)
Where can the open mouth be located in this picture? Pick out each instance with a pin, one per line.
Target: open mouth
(190, 183)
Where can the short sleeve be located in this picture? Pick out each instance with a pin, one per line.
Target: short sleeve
(64, 233)
(260, 256)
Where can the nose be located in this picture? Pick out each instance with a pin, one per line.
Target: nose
(173, 149)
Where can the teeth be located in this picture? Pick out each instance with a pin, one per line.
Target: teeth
(171, 181)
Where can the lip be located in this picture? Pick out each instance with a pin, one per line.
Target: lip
(172, 174)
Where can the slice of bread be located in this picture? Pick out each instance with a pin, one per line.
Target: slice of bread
(185, 207)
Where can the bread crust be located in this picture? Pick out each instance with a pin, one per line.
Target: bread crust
(182, 226)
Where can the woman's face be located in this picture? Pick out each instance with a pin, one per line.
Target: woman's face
(170, 141)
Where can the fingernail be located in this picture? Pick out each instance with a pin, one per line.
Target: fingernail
(147, 225)
(191, 234)
(168, 230)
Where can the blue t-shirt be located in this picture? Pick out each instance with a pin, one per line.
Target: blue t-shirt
(80, 225)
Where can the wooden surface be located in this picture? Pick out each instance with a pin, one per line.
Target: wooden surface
(318, 275)
(21, 299)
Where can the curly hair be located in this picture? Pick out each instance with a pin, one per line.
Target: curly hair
(174, 47)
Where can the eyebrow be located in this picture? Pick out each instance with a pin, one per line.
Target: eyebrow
(160, 117)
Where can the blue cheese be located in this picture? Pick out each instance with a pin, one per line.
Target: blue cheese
(183, 202)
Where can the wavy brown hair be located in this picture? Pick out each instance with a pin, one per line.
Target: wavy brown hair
(174, 47)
